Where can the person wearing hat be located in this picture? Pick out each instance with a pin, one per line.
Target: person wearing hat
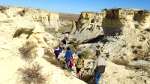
(97, 50)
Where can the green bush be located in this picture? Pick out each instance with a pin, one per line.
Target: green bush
(85, 54)
(74, 45)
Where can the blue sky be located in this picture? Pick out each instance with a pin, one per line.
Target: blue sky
(77, 6)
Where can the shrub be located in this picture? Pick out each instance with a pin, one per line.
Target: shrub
(28, 50)
(32, 75)
(20, 31)
(74, 44)
(85, 54)
(148, 29)
(140, 54)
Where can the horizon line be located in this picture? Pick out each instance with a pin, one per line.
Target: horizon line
(48, 10)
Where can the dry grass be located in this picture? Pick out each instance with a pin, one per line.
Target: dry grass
(74, 45)
(65, 16)
(32, 75)
(65, 28)
(20, 31)
(28, 50)
(120, 61)
(86, 54)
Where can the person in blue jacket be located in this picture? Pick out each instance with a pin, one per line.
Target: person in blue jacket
(68, 58)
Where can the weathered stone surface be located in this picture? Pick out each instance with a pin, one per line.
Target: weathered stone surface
(11, 60)
(126, 33)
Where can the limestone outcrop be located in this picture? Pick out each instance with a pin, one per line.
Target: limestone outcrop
(110, 22)
(89, 25)
(124, 40)
(49, 20)
(15, 25)
(123, 35)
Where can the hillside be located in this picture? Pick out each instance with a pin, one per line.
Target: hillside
(123, 35)
(13, 65)
(28, 37)
(65, 16)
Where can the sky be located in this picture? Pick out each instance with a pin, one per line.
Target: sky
(77, 6)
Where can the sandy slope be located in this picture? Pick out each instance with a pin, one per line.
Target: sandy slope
(10, 58)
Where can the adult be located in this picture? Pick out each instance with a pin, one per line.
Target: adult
(98, 50)
(65, 39)
(100, 68)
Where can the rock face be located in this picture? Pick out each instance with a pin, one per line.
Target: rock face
(110, 22)
(89, 25)
(15, 69)
(49, 20)
(124, 39)
(68, 22)
(123, 35)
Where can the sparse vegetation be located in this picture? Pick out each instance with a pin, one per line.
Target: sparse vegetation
(65, 28)
(148, 29)
(3, 9)
(121, 61)
(20, 31)
(32, 75)
(140, 53)
(86, 54)
(74, 44)
(27, 50)
(136, 26)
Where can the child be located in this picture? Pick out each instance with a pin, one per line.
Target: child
(79, 65)
(57, 51)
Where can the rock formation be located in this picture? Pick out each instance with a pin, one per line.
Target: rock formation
(124, 41)
(89, 25)
(123, 35)
(110, 22)
(20, 23)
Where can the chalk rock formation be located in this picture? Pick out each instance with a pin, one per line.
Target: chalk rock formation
(14, 68)
(89, 25)
(50, 20)
(124, 41)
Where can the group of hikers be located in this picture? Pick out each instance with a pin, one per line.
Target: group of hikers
(78, 63)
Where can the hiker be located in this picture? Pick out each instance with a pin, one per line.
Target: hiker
(97, 50)
(79, 66)
(57, 51)
(100, 68)
(68, 58)
(65, 39)
(64, 43)
(66, 36)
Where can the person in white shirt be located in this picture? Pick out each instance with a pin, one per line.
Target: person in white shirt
(100, 68)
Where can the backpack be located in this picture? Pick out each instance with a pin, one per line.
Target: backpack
(100, 69)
